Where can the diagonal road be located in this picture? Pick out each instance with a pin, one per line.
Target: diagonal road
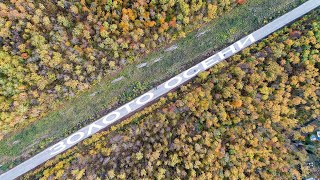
(154, 94)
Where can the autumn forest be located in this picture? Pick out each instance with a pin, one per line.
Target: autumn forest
(248, 117)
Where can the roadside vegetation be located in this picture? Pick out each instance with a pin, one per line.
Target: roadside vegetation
(241, 119)
(65, 118)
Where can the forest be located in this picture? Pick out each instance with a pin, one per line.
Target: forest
(242, 119)
(52, 50)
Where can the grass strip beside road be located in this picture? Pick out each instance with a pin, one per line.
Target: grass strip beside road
(88, 106)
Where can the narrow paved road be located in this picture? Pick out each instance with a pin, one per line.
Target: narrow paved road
(140, 102)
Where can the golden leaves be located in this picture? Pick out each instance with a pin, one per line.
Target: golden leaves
(237, 103)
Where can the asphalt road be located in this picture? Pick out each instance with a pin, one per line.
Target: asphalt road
(140, 102)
